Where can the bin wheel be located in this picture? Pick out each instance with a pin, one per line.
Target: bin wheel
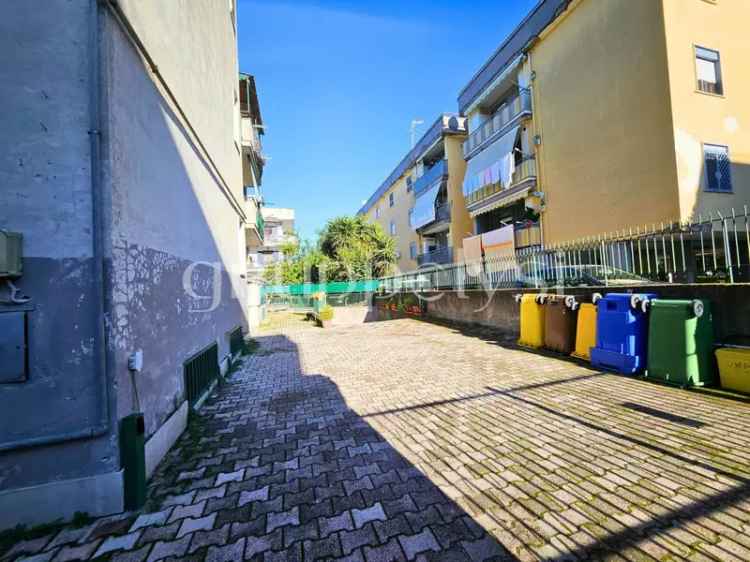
(575, 306)
(596, 297)
(570, 301)
(518, 298)
(698, 308)
(635, 300)
(540, 299)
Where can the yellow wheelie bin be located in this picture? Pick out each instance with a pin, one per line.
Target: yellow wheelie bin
(734, 368)
(532, 320)
(585, 332)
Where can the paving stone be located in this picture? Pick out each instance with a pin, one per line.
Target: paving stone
(210, 493)
(229, 553)
(148, 519)
(388, 552)
(77, 552)
(41, 557)
(353, 540)
(191, 525)
(169, 549)
(69, 535)
(155, 534)
(183, 511)
(191, 474)
(260, 494)
(236, 476)
(259, 545)
(362, 516)
(421, 542)
(138, 555)
(295, 533)
(276, 520)
(322, 549)
(208, 538)
(182, 499)
(118, 542)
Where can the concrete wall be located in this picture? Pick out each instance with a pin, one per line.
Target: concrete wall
(45, 173)
(163, 214)
(602, 110)
(168, 211)
(500, 311)
(704, 118)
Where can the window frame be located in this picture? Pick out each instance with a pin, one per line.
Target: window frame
(391, 199)
(413, 250)
(708, 188)
(392, 228)
(720, 85)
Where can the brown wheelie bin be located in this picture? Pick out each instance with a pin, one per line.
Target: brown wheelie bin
(560, 319)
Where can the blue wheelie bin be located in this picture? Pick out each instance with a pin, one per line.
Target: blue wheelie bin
(621, 333)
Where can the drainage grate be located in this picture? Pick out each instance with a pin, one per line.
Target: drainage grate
(200, 371)
(236, 339)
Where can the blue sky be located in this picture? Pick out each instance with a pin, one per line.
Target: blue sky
(339, 82)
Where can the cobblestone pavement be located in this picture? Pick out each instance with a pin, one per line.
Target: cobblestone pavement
(405, 440)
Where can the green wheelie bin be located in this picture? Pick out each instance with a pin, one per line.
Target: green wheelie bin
(681, 342)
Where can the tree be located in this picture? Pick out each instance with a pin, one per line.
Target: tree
(354, 248)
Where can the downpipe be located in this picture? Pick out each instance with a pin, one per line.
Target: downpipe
(102, 354)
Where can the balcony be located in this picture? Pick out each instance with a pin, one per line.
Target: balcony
(260, 224)
(250, 136)
(253, 192)
(510, 112)
(440, 256)
(524, 174)
(437, 172)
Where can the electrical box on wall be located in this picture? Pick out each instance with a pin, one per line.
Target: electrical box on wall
(13, 347)
(11, 254)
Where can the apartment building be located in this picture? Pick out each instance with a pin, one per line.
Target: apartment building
(597, 116)
(122, 170)
(278, 230)
(253, 162)
(420, 203)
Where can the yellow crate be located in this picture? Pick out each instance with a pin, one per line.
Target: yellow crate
(586, 332)
(532, 322)
(734, 368)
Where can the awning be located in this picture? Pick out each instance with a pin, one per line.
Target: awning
(424, 208)
(501, 82)
(501, 199)
(494, 164)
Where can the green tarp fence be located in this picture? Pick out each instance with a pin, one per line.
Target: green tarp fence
(333, 288)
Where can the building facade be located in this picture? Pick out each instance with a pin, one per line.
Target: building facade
(594, 117)
(278, 230)
(125, 180)
(253, 162)
(421, 204)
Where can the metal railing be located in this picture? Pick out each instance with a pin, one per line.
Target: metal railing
(441, 255)
(443, 212)
(493, 125)
(430, 176)
(200, 371)
(713, 249)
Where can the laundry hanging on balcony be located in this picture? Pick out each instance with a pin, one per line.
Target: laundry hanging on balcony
(424, 208)
(494, 164)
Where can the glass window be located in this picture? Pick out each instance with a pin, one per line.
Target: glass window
(392, 228)
(377, 212)
(708, 71)
(391, 199)
(413, 250)
(718, 168)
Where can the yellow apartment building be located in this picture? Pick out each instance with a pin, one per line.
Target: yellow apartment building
(595, 116)
(421, 202)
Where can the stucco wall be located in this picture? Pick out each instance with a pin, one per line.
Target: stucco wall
(169, 216)
(602, 110)
(703, 118)
(45, 173)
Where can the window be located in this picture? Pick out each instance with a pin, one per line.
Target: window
(409, 184)
(391, 199)
(377, 212)
(392, 228)
(411, 214)
(398, 254)
(708, 71)
(718, 168)
(413, 250)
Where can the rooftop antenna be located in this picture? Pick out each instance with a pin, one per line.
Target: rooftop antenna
(414, 124)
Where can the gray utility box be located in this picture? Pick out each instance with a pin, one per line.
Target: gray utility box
(11, 264)
(13, 354)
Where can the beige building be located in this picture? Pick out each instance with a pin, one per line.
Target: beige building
(420, 204)
(600, 115)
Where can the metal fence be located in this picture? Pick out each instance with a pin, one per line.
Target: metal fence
(713, 249)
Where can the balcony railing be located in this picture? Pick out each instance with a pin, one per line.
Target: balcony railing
(250, 136)
(441, 255)
(439, 170)
(260, 224)
(525, 171)
(443, 212)
(253, 192)
(491, 128)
